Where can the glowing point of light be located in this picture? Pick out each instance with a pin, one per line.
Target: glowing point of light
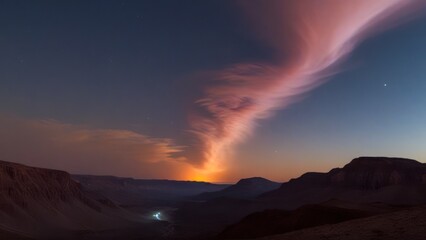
(157, 215)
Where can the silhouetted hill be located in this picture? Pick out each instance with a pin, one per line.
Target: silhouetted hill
(379, 172)
(364, 179)
(245, 188)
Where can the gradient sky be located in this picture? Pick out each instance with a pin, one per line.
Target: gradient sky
(107, 87)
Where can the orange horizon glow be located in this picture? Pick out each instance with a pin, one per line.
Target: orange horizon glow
(204, 174)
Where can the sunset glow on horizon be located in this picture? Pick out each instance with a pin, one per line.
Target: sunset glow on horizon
(213, 91)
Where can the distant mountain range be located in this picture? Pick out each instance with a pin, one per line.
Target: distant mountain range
(37, 203)
(144, 192)
(245, 188)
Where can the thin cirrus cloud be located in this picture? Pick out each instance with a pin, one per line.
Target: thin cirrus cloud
(80, 149)
(309, 38)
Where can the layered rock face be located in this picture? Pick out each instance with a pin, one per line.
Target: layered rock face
(367, 173)
(22, 184)
(365, 179)
(38, 201)
(378, 172)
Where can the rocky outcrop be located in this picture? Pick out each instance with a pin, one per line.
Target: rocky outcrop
(366, 179)
(22, 185)
(35, 201)
(378, 172)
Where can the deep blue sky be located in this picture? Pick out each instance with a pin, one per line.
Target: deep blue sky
(115, 63)
(130, 65)
(354, 114)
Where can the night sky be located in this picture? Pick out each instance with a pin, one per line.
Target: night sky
(116, 87)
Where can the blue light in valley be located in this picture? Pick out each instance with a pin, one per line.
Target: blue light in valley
(157, 216)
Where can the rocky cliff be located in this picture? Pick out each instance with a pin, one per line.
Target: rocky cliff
(366, 179)
(38, 201)
(378, 172)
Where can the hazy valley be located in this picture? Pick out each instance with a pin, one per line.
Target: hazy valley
(44, 204)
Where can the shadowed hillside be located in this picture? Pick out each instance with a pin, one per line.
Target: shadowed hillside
(274, 221)
(363, 181)
(45, 203)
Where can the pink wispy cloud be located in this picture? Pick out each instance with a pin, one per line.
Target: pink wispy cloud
(310, 39)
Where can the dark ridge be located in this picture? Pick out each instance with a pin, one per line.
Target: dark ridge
(363, 173)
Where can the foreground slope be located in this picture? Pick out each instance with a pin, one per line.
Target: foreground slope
(269, 222)
(405, 224)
